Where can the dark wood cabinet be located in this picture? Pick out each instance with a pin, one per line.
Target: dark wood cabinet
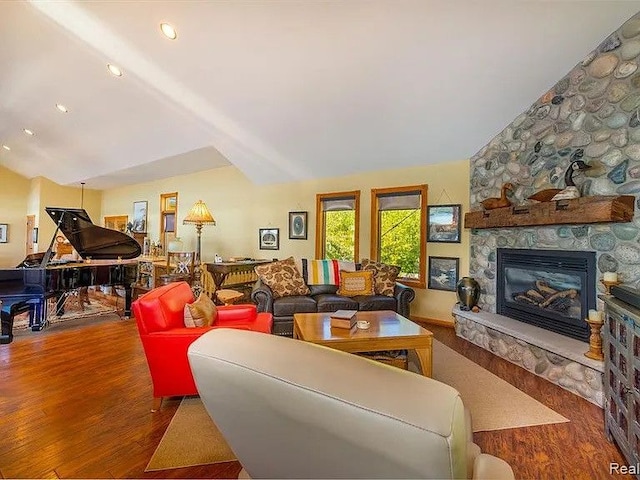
(621, 335)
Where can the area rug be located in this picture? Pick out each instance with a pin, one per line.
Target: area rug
(494, 404)
(95, 308)
(191, 439)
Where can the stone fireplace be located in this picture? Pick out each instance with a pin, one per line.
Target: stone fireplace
(551, 289)
(591, 114)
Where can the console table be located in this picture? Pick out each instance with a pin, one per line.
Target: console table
(234, 274)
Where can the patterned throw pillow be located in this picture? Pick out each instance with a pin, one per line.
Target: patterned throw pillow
(384, 276)
(201, 313)
(283, 278)
(356, 283)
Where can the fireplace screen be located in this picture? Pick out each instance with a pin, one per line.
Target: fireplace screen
(552, 289)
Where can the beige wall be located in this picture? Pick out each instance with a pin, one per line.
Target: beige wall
(241, 208)
(14, 196)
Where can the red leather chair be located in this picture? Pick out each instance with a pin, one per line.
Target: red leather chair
(160, 318)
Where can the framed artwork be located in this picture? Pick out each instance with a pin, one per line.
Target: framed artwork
(139, 217)
(4, 236)
(443, 273)
(443, 223)
(269, 238)
(298, 225)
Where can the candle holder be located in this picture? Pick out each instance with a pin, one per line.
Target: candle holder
(608, 284)
(595, 340)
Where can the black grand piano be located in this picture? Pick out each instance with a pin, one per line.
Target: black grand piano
(106, 260)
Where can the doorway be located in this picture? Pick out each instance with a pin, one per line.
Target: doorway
(32, 234)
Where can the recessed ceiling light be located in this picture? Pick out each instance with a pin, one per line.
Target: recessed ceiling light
(114, 70)
(62, 108)
(28, 132)
(168, 31)
(6, 147)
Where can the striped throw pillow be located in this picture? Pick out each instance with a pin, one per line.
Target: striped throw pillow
(324, 272)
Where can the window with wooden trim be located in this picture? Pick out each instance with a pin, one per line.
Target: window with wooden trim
(399, 231)
(338, 225)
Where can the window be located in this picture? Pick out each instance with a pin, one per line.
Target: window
(338, 225)
(398, 230)
(168, 215)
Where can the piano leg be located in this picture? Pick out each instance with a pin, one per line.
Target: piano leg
(127, 301)
(6, 321)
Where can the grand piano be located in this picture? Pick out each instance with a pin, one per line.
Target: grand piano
(106, 260)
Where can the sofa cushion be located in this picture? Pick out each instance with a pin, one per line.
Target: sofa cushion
(319, 289)
(375, 302)
(356, 283)
(384, 276)
(201, 313)
(287, 306)
(283, 278)
(331, 303)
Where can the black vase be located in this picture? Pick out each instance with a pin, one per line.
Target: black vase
(468, 292)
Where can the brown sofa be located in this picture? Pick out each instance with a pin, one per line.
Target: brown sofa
(323, 298)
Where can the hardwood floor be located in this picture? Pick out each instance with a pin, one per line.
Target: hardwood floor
(75, 403)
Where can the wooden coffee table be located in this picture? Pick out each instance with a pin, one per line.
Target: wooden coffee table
(388, 331)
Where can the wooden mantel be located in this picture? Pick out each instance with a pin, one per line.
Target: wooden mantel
(596, 209)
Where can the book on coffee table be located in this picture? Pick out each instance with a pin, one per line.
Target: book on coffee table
(343, 318)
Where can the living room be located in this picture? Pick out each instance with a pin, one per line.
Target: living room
(242, 205)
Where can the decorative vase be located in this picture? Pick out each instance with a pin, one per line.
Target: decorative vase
(468, 290)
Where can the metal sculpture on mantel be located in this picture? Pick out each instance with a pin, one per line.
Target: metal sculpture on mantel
(199, 215)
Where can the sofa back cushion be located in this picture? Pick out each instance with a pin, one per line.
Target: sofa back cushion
(384, 276)
(283, 278)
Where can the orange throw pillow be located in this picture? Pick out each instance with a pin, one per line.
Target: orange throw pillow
(356, 283)
(201, 313)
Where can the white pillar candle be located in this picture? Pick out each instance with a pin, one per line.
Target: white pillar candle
(610, 277)
(595, 315)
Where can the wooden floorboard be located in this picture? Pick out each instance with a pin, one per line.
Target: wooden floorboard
(75, 403)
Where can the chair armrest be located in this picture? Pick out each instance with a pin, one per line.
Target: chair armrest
(404, 296)
(490, 467)
(230, 313)
(262, 296)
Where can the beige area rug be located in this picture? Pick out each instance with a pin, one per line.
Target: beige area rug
(191, 439)
(494, 404)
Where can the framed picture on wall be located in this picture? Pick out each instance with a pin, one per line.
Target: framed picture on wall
(298, 225)
(139, 217)
(4, 235)
(443, 273)
(269, 238)
(443, 223)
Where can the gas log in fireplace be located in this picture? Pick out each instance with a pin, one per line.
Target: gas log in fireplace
(551, 289)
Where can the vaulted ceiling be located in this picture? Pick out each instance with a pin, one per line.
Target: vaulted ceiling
(282, 89)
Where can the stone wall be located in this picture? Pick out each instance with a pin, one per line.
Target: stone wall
(592, 114)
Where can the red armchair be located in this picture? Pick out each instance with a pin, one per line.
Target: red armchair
(160, 318)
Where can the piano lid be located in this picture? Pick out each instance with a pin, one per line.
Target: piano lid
(90, 240)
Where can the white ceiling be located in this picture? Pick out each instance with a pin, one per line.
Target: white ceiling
(282, 89)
